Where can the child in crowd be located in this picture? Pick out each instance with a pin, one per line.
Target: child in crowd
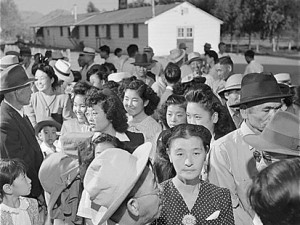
(46, 131)
(15, 209)
(105, 141)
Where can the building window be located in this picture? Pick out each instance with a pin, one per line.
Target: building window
(61, 31)
(121, 30)
(108, 31)
(180, 32)
(189, 32)
(69, 31)
(48, 32)
(135, 30)
(96, 30)
(185, 32)
(86, 31)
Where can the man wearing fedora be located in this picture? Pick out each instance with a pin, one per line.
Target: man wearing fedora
(17, 134)
(231, 94)
(120, 188)
(155, 67)
(140, 69)
(88, 59)
(232, 164)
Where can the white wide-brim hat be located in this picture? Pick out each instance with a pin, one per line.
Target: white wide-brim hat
(111, 176)
(117, 77)
(176, 55)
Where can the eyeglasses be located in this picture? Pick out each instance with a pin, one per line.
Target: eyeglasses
(258, 155)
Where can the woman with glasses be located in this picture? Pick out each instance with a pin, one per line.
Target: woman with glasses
(187, 199)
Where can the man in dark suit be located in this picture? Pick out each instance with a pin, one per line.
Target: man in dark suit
(16, 132)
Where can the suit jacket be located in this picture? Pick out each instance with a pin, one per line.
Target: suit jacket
(18, 141)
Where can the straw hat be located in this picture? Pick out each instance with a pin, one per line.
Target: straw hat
(112, 175)
(8, 60)
(176, 55)
(46, 122)
(283, 78)
(232, 83)
(194, 56)
(281, 135)
(56, 55)
(63, 71)
(88, 51)
(117, 77)
(12, 78)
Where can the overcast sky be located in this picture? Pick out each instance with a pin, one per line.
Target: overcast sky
(46, 6)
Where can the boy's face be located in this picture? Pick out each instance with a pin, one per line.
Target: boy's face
(48, 135)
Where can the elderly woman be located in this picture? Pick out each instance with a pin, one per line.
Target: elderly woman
(106, 114)
(47, 102)
(189, 200)
(275, 195)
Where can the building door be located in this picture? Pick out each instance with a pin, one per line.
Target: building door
(186, 35)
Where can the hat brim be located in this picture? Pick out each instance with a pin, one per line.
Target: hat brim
(194, 59)
(60, 76)
(7, 90)
(258, 142)
(179, 58)
(51, 123)
(260, 98)
(229, 89)
(142, 154)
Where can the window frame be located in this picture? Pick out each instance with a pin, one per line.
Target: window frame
(86, 28)
(135, 30)
(121, 30)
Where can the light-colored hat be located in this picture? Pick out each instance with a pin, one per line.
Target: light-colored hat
(111, 176)
(194, 56)
(57, 172)
(283, 78)
(234, 82)
(148, 49)
(176, 55)
(63, 71)
(117, 77)
(14, 77)
(8, 60)
(56, 55)
(281, 135)
(46, 122)
(88, 51)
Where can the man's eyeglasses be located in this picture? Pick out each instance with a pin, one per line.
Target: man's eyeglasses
(258, 155)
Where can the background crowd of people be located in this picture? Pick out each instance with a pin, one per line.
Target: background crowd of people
(130, 141)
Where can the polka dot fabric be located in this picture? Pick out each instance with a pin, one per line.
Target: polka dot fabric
(210, 199)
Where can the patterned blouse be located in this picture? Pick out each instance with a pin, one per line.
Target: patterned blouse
(212, 206)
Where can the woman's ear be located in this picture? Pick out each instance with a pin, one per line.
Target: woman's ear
(146, 103)
(215, 117)
(133, 206)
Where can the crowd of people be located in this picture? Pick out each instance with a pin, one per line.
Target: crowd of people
(131, 141)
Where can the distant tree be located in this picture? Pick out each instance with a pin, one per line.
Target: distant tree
(138, 3)
(91, 8)
(11, 22)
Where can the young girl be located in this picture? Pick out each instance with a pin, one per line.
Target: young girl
(15, 209)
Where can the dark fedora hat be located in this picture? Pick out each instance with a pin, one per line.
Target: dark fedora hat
(25, 51)
(141, 60)
(259, 87)
(12, 78)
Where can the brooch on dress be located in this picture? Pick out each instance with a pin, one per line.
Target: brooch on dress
(189, 220)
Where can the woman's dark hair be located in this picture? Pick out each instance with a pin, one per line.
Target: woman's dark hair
(162, 165)
(123, 84)
(212, 104)
(172, 100)
(195, 84)
(49, 71)
(146, 93)
(212, 54)
(38, 58)
(111, 105)
(110, 67)
(117, 50)
(102, 138)
(275, 193)
(10, 169)
(101, 70)
(81, 88)
(111, 85)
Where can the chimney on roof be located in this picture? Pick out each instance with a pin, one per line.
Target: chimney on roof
(153, 8)
(122, 4)
(75, 13)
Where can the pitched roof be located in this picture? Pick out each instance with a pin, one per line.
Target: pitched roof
(124, 16)
(63, 20)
